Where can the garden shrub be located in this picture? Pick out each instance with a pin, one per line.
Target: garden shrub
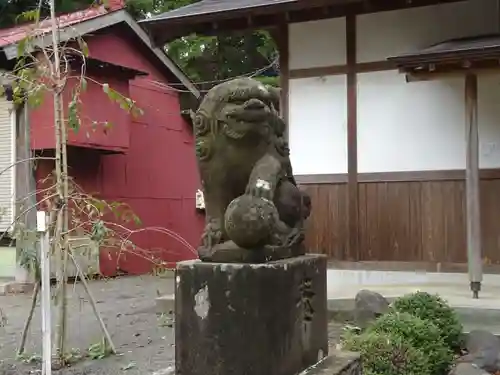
(433, 308)
(421, 334)
(387, 354)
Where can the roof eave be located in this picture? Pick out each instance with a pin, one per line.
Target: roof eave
(231, 13)
(171, 27)
(418, 59)
(98, 23)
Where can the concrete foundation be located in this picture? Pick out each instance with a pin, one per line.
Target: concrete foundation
(252, 319)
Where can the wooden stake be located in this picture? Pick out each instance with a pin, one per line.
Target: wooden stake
(93, 303)
(46, 300)
(474, 257)
(24, 334)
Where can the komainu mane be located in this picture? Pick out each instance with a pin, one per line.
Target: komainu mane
(254, 209)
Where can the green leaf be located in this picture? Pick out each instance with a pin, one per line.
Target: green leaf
(84, 48)
(83, 84)
(73, 115)
(29, 15)
(21, 47)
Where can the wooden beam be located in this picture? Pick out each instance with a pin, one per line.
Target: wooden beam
(388, 177)
(284, 58)
(352, 141)
(439, 75)
(366, 67)
(472, 186)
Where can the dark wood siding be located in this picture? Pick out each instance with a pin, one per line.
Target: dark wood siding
(419, 220)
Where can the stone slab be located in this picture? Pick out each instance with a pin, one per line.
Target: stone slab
(337, 363)
(251, 319)
(15, 287)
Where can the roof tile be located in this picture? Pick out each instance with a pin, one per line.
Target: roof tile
(17, 33)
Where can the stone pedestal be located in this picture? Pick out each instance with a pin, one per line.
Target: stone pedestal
(250, 319)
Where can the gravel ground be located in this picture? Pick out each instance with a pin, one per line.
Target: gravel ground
(127, 305)
(144, 340)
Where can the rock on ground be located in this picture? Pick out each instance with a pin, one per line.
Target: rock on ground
(465, 368)
(368, 306)
(483, 349)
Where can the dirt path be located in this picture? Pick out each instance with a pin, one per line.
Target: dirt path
(127, 305)
(144, 340)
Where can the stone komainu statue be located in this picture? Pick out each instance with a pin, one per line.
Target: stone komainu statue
(254, 210)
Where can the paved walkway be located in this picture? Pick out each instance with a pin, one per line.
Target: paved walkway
(457, 294)
(482, 313)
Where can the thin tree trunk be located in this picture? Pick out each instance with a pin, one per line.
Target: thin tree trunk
(58, 246)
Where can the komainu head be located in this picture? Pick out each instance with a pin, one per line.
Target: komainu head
(238, 108)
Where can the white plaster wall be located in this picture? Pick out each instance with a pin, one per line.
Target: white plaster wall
(317, 43)
(489, 121)
(421, 125)
(401, 126)
(318, 125)
(386, 34)
(409, 126)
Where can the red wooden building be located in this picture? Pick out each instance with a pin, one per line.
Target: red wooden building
(146, 161)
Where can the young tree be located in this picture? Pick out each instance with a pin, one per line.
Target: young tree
(42, 73)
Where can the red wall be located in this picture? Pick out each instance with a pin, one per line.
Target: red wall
(95, 109)
(157, 175)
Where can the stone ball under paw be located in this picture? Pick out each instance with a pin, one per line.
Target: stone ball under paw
(250, 220)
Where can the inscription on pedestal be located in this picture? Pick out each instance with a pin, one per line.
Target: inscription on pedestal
(306, 295)
(251, 319)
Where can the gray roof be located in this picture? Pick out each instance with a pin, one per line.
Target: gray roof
(476, 47)
(216, 6)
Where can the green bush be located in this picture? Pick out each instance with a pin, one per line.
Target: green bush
(421, 334)
(387, 354)
(433, 308)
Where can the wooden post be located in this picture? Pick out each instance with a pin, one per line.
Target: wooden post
(352, 142)
(284, 56)
(25, 186)
(472, 187)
